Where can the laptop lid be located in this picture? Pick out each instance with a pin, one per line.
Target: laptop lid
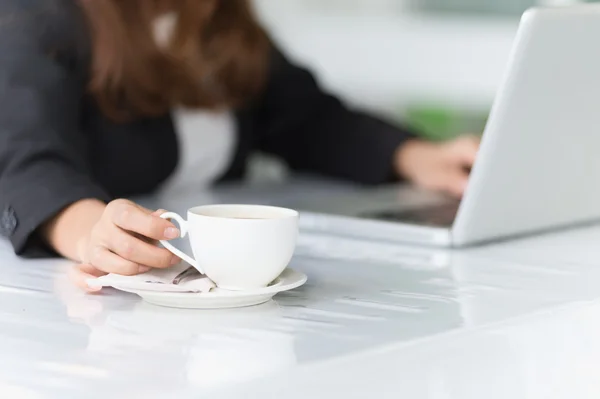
(539, 163)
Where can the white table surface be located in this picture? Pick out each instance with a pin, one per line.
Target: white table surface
(514, 320)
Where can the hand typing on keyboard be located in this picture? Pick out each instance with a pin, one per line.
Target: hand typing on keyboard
(438, 166)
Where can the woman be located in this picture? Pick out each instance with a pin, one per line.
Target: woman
(105, 99)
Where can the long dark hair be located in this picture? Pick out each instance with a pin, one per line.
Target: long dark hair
(217, 57)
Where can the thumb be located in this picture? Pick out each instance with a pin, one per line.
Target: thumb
(156, 213)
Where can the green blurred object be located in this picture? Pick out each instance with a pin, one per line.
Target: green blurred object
(440, 123)
(495, 7)
(485, 7)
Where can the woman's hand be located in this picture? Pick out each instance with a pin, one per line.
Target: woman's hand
(122, 242)
(438, 166)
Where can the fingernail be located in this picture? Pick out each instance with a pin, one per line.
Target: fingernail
(175, 260)
(171, 232)
(144, 269)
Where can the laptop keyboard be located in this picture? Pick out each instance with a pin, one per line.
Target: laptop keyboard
(433, 216)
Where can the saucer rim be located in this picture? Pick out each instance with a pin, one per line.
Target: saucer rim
(289, 279)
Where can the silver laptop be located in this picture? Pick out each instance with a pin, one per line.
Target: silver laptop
(539, 164)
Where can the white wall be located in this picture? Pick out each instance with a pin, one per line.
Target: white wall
(379, 57)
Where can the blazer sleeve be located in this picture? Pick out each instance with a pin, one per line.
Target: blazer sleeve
(314, 132)
(43, 165)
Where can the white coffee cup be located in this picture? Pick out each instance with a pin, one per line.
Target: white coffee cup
(239, 247)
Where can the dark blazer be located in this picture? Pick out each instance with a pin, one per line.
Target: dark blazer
(56, 147)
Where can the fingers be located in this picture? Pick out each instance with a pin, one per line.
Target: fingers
(80, 274)
(131, 217)
(157, 212)
(123, 242)
(464, 149)
(139, 251)
(455, 182)
(105, 260)
(440, 167)
(462, 154)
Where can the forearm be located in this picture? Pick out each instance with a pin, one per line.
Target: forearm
(315, 132)
(341, 144)
(64, 232)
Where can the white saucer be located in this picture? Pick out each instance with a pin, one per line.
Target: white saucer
(220, 298)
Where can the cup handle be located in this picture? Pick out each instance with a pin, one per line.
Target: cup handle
(184, 231)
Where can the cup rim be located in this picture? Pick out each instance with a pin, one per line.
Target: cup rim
(284, 213)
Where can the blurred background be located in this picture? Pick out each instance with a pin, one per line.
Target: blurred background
(433, 63)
